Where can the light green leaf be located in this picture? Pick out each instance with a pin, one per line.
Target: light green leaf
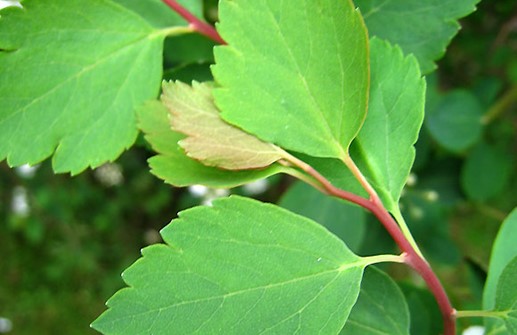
(381, 308)
(210, 139)
(240, 267)
(173, 166)
(159, 15)
(423, 28)
(296, 74)
(384, 148)
(344, 220)
(506, 297)
(503, 252)
(71, 75)
(486, 172)
(455, 123)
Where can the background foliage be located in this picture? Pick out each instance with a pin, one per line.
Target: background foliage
(63, 254)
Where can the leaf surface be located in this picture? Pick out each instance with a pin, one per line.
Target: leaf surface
(71, 75)
(174, 167)
(240, 267)
(381, 308)
(344, 220)
(423, 28)
(506, 296)
(384, 148)
(296, 75)
(210, 139)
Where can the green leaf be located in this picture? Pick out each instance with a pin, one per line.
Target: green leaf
(506, 296)
(173, 166)
(380, 309)
(384, 148)
(423, 28)
(425, 316)
(159, 15)
(455, 123)
(485, 173)
(344, 220)
(295, 75)
(71, 75)
(240, 267)
(503, 252)
(210, 139)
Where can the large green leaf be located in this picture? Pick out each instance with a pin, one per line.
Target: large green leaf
(210, 139)
(381, 308)
(240, 267)
(423, 28)
(71, 75)
(344, 220)
(295, 73)
(158, 14)
(506, 297)
(384, 147)
(172, 165)
(503, 253)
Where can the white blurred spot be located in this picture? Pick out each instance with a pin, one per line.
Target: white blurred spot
(198, 191)
(208, 194)
(474, 330)
(109, 174)
(26, 171)
(411, 180)
(256, 187)
(7, 3)
(5, 325)
(20, 202)
(431, 196)
(416, 212)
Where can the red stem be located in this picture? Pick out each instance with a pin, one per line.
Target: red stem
(412, 258)
(198, 25)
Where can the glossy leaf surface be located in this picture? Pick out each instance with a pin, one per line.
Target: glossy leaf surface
(210, 139)
(61, 95)
(172, 164)
(240, 267)
(295, 75)
(423, 28)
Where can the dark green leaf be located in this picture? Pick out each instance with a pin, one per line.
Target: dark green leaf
(296, 74)
(384, 148)
(424, 312)
(381, 308)
(240, 267)
(71, 75)
(423, 28)
(173, 166)
(455, 123)
(343, 219)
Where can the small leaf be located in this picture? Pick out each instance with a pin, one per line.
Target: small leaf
(380, 309)
(384, 150)
(210, 139)
(71, 75)
(344, 220)
(295, 75)
(455, 123)
(240, 267)
(485, 173)
(172, 165)
(506, 296)
(423, 28)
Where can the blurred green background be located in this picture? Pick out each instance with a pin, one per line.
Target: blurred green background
(64, 241)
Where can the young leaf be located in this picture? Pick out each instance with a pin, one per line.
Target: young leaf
(71, 74)
(384, 148)
(210, 139)
(240, 267)
(503, 253)
(295, 75)
(423, 28)
(172, 165)
(506, 297)
(344, 220)
(380, 309)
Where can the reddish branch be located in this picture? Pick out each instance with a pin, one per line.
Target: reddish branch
(196, 24)
(412, 258)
